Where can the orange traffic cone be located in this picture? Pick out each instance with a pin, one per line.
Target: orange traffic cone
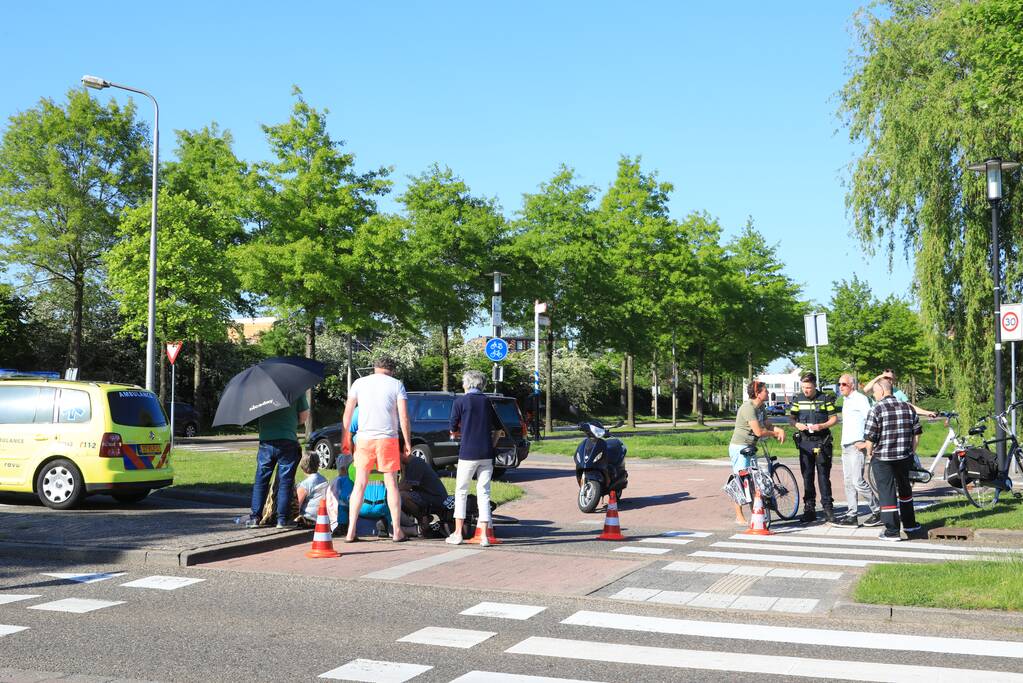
(758, 520)
(323, 544)
(612, 529)
(490, 536)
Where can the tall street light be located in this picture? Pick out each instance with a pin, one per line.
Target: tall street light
(98, 83)
(993, 167)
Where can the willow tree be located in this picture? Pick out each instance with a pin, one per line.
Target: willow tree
(934, 88)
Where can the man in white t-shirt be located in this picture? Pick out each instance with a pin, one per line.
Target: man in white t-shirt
(383, 406)
(855, 408)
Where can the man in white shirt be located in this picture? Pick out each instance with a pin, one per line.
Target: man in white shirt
(383, 406)
(855, 408)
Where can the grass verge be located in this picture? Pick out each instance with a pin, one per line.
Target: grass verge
(957, 511)
(965, 584)
(233, 471)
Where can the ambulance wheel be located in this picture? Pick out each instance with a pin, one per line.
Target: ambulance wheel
(60, 485)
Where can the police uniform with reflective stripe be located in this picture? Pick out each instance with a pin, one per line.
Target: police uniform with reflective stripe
(814, 448)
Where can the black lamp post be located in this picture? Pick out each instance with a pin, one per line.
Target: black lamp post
(993, 168)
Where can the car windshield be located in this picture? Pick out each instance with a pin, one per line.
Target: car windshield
(136, 409)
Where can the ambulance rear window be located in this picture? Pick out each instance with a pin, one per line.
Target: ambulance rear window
(136, 409)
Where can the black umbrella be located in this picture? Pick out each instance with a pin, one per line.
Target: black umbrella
(271, 385)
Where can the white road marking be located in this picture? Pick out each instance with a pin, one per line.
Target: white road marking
(14, 597)
(750, 663)
(681, 566)
(164, 583)
(717, 600)
(800, 636)
(406, 568)
(83, 578)
(593, 522)
(503, 610)
(76, 605)
(494, 677)
(856, 552)
(791, 559)
(668, 541)
(447, 637)
(877, 543)
(638, 550)
(690, 534)
(373, 671)
(6, 630)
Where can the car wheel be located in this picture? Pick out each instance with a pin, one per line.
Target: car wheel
(191, 429)
(422, 451)
(325, 454)
(589, 495)
(128, 497)
(60, 485)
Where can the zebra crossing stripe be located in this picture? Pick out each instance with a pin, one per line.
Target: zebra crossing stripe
(83, 578)
(494, 677)
(689, 534)
(447, 637)
(639, 550)
(744, 662)
(76, 605)
(876, 543)
(799, 636)
(15, 597)
(373, 671)
(503, 610)
(791, 559)
(668, 541)
(856, 552)
(6, 630)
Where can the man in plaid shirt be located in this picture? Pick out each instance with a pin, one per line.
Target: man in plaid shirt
(892, 433)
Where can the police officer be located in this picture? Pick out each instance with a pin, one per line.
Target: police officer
(812, 415)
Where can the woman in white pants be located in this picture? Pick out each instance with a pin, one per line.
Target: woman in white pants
(474, 417)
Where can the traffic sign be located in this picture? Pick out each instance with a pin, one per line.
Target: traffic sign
(173, 349)
(1012, 317)
(816, 327)
(497, 349)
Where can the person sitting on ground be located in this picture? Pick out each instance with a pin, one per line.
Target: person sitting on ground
(422, 492)
(312, 489)
(751, 423)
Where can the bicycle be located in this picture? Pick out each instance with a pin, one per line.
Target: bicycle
(984, 488)
(919, 475)
(778, 486)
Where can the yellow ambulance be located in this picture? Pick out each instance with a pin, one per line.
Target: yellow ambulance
(64, 440)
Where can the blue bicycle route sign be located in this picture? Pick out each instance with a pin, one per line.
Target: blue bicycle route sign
(497, 349)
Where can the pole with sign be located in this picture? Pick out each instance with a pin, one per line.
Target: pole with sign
(173, 349)
(538, 308)
(816, 328)
(497, 348)
(1011, 324)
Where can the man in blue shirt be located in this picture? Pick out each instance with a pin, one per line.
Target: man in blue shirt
(474, 416)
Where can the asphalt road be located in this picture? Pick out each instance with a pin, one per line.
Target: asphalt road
(235, 626)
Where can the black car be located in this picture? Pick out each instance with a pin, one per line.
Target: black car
(429, 415)
(186, 419)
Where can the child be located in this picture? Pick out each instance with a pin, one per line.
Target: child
(312, 489)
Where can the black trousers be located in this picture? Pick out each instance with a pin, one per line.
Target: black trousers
(895, 491)
(815, 457)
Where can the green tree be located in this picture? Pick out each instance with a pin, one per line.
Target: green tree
(933, 89)
(67, 170)
(308, 206)
(450, 249)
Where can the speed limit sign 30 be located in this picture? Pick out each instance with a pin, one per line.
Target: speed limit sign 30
(1012, 322)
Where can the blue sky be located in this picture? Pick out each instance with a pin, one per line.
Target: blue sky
(731, 102)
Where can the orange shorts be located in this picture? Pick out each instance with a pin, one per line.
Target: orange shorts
(380, 454)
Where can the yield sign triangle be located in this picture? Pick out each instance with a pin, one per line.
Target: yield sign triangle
(173, 348)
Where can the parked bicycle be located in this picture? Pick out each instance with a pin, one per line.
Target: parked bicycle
(975, 471)
(777, 485)
(917, 474)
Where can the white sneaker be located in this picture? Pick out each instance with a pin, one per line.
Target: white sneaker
(484, 541)
(454, 539)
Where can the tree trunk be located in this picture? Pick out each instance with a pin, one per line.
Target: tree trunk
(622, 401)
(74, 351)
(674, 387)
(310, 352)
(693, 409)
(630, 393)
(548, 422)
(445, 357)
(653, 386)
(699, 388)
(197, 400)
(749, 366)
(162, 382)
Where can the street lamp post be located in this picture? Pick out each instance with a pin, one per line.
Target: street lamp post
(98, 83)
(993, 167)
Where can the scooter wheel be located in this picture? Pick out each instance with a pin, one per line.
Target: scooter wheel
(589, 496)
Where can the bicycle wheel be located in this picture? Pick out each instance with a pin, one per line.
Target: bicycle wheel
(786, 492)
(982, 494)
